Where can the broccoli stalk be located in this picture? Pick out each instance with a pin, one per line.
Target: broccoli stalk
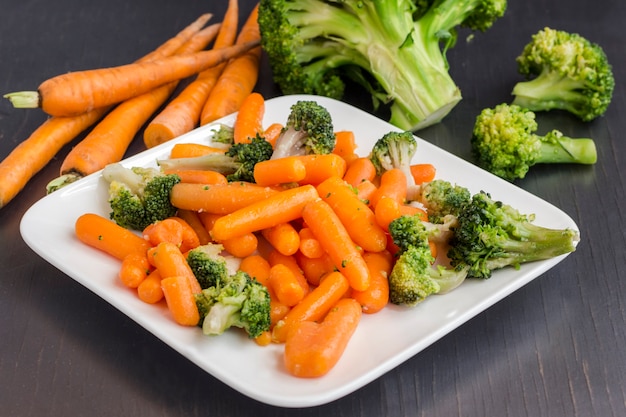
(570, 73)
(395, 49)
(505, 143)
(308, 130)
(492, 235)
(139, 196)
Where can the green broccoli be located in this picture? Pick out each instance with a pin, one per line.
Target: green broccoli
(441, 198)
(570, 73)
(308, 130)
(208, 265)
(395, 49)
(492, 235)
(395, 150)
(237, 163)
(139, 196)
(224, 135)
(504, 142)
(239, 301)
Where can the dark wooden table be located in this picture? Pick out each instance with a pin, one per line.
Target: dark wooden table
(556, 347)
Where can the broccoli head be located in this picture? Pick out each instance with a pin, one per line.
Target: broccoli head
(239, 301)
(316, 46)
(570, 73)
(139, 196)
(407, 231)
(308, 130)
(441, 198)
(208, 265)
(505, 143)
(492, 235)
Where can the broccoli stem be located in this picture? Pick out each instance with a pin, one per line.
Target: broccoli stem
(562, 149)
(549, 91)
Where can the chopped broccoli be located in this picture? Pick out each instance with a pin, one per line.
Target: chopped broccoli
(240, 301)
(395, 49)
(224, 135)
(139, 196)
(441, 198)
(407, 231)
(570, 73)
(237, 163)
(505, 143)
(492, 235)
(308, 130)
(208, 265)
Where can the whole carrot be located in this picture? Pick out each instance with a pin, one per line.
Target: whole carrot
(81, 91)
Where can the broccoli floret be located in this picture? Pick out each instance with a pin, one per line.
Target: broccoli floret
(570, 73)
(208, 265)
(224, 135)
(408, 231)
(441, 198)
(139, 196)
(240, 301)
(395, 49)
(492, 235)
(237, 163)
(504, 142)
(308, 130)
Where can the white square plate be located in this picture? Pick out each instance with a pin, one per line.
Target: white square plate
(258, 372)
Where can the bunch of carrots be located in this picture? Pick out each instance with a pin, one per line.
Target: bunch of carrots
(117, 102)
(312, 229)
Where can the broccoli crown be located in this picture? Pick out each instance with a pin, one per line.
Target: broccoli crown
(208, 265)
(409, 281)
(308, 130)
(441, 198)
(394, 150)
(316, 46)
(491, 235)
(570, 73)
(239, 301)
(408, 231)
(139, 196)
(504, 142)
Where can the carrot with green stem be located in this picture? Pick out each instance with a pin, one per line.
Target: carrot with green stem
(182, 113)
(32, 154)
(239, 76)
(81, 91)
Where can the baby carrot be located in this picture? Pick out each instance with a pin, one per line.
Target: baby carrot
(283, 237)
(423, 173)
(193, 219)
(249, 121)
(314, 269)
(219, 198)
(134, 269)
(180, 300)
(359, 170)
(314, 305)
(285, 285)
(167, 230)
(309, 245)
(279, 171)
(284, 206)
(376, 296)
(358, 219)
(272, 132)
(242, 245)
(334, 238)
(264, 338)
(190, 239)
(392, 184)
(107, 236)
(321, 167)
(171, 262)
(198, 176)
(345, 145)
(257, 267)
(150, 291)
(190, 150)
(276, 258)
(387, 210)
(365, 190)
(312, 349)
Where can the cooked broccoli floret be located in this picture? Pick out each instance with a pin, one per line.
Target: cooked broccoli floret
(139, 196)
(395, 49)
(492, 235)
(240, 301)
(504, 142)
(237, 163)
(570, 73)
(407, 231)
(308, 130)
(441, 198)
(208, 265)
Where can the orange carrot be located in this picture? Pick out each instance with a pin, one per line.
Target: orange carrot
(278, 310)
(314, 305)
(309, 245)
(334, 238)
(77, 92)
(208, 220)
(276, 258)
(190, 239)
(135, 268)
(182, 113)
(33, 153)
(285, 285)
(171, 262)
(365, 190)
(314, 269)
(392, 184)
(150, 291)
(249, 121)
(239, 76)
(321, 167)
(109, 140)
(387, 210)
(198, 176)
(107, 236)
(358, 219)
(283, 237)
(272, 132)
(167, 230)
(376, 296)
(281, 207)
(345, 145)
(264, 338)
(359, 170)
(279, 171)
(190, 150)
(180, 300)
(219, 198)
(241, 246)
(193, 219)
(423, 173)
(312, 349)
(409, 210)
(257, 267)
